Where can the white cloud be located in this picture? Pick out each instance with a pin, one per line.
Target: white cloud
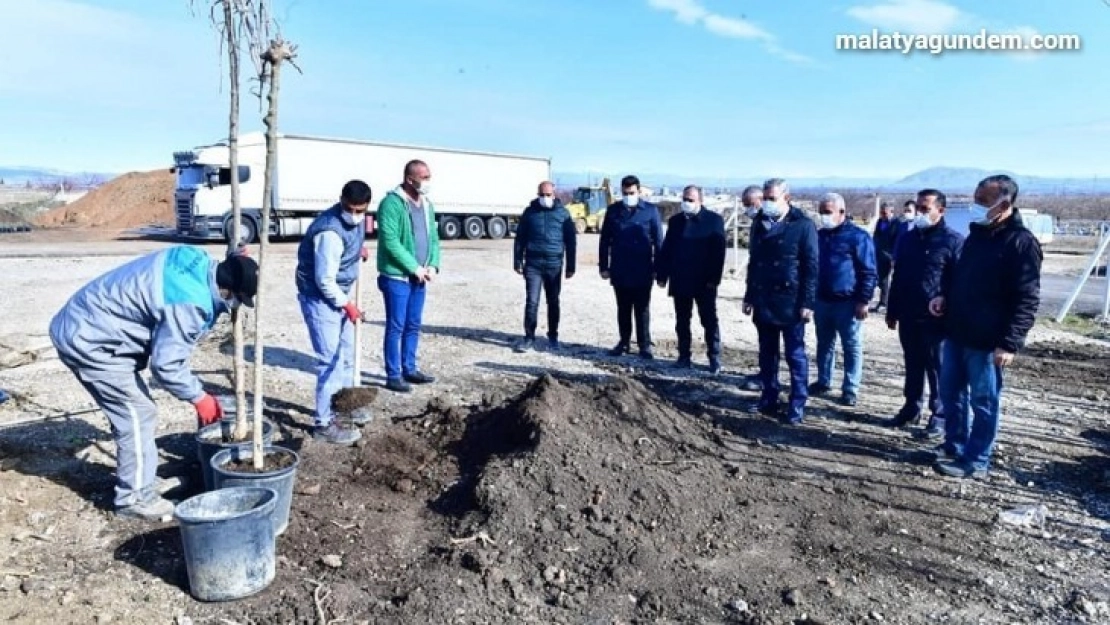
(692, 13)
(911, 16)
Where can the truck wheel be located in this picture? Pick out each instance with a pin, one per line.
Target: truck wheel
(449, 228)
(580, 226)
(497, 228)
(248, 230)
(473, 228)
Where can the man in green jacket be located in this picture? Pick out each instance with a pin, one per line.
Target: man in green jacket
(408, 259)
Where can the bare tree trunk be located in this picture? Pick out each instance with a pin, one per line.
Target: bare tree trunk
(240, 361)
(277, 53)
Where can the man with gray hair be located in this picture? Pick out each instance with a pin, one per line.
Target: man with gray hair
(692, 259)
(752, 198)
(781, 288)
(846, 280)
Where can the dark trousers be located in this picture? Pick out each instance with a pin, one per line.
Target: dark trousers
(550, 280)
(885, 268)
(634, 301)
(707, 314)
(793, 338)
(921, 350)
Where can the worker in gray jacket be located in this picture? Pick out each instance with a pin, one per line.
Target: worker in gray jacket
(151, 312)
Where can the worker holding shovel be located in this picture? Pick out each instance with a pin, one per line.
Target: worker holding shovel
(328, 262)
(151, 311)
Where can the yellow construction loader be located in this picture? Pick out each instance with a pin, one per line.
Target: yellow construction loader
(588, 205)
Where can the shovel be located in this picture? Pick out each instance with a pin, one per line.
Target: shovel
(355, 402)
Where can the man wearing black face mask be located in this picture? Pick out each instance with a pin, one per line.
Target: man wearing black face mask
(988, 309)
(327, 267)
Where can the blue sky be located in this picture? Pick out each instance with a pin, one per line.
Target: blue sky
(728, 88)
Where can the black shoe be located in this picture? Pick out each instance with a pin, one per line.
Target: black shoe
(619, 350)
(398, 386)
(817, 389)
(646, 354)
(902, 419)
(769, 408)
(683, 362)
(714, 367)
(552, 344)
(795, 415)
(419, 377)
(848, 399)
(525, 345)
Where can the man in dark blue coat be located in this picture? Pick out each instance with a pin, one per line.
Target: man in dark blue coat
(781, 289)
(926, 257)
(846, 280)
(631, 236)
(692, 261)
(544, 236)
(988, 310)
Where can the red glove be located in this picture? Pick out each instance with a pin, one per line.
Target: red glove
(209, 410)
(364, 254)
(353, 313)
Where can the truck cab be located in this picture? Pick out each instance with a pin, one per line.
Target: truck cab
(202, 194)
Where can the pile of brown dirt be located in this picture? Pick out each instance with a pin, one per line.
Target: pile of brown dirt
(581, 501)
(130, 201)
(8, 217)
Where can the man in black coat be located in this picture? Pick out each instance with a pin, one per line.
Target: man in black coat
(631, 236)
(781, 289)
(988, 310)
(692, 261)
(544, 237)
(926, 258)
(884, 237)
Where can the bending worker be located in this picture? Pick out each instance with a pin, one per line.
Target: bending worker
(151, 311)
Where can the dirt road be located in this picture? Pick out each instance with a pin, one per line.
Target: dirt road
(611, 490)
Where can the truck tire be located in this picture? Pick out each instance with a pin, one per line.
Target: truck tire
(474, 228)
(496, 227)
(449, 228)
(248, 230)
(580, 226)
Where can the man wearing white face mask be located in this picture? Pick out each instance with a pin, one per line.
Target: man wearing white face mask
(752, 199)
(692, 261)
(544, 237)
(781, 289)
(988, 309)
(631, 236)
(327, 267)
(846, 281)
(925, 259)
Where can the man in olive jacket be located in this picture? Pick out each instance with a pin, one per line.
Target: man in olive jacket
(544, 236)
(408, 260)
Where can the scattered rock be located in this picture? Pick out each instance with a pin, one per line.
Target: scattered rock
(332, 561)
(404, 485)
(792, 597)
(738, 605)
(9, 583)
(875, 616)
(311, 490)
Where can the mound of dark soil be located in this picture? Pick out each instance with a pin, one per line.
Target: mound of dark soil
(603, 502)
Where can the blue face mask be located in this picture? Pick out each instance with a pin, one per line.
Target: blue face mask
(772, 209)
(986, 220)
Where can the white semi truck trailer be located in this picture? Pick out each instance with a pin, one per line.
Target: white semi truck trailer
(476, 194)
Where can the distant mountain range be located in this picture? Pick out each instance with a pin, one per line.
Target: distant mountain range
(954, 180)
(16, 175)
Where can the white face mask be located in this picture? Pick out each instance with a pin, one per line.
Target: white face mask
(922, 222)
(547, 202)
(751, 211)
(348, 218)
(986, 220)
(689, 207)
(424, 187)
(631, 199)
(827, 222)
